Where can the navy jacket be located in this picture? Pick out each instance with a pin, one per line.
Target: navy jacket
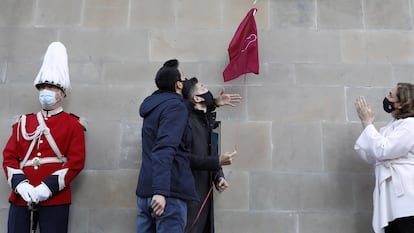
(166, 139)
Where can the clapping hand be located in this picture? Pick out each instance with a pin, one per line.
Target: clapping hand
(364, 111)
(227, 99)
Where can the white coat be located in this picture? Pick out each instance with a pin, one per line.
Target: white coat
(391, 151)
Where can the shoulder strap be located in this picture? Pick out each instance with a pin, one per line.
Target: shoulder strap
(49, 137)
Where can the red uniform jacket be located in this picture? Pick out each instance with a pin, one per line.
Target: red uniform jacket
(69, 136)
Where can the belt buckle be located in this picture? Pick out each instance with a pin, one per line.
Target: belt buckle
(36, 163)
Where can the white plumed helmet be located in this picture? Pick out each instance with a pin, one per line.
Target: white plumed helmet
(54, 70)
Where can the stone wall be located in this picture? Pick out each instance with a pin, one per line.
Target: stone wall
(296, 170)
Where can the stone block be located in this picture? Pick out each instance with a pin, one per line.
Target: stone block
(271, 191)
(106, 13)
(335, 222)
(273, 74)
(299, 46)
(295, 104)
(324, 191)
(233, 12)
(192, 69)
(79, 219)
(106, 3)
(382, 14)
(17, 48)
(131, 148)
(210, 72)
(390, 47)
(5, 189)
(236, 196)
(402, 73)
(4, 213)
(353, 47)
(239, 221)
(338, 148)
(22, 73)
(3, 69)
(344, 74)
(84, 74)
(115, 102)
(337, 14)
(50, 13)
(6, 129)
(253, 142)
(112, 220)
(152, 14)
(293, 14)
(101, 190)
(4, 99)
(22, 99)
(198, 14)
(363, 188)
(16, 12)
(297, 147)
(100, 157)
(208, 44)
(130, 73)
(106, 45)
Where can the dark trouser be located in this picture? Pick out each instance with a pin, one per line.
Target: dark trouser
(51, 219)
(203, 223)
(173, 219)
(401, 225)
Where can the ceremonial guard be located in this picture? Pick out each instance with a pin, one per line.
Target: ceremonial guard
(45, 152)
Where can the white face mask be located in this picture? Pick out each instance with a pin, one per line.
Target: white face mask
(47, 98)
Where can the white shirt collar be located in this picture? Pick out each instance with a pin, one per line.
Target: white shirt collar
(53, 112)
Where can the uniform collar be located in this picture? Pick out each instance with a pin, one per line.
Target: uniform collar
(53, 112)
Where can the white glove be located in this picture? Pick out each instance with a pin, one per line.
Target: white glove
(27, 192)
(43, 192)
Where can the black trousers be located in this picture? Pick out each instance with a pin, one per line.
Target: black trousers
(401, 225)
(51, 219)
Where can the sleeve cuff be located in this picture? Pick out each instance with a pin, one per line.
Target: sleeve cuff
(52, 182)
(16, 180)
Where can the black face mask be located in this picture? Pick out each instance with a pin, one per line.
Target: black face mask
(388, 105)
(208, 98)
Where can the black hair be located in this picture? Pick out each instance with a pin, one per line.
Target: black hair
(189, 88)
(168, 75)
(171, 63)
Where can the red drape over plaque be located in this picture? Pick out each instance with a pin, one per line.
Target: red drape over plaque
(243, 49)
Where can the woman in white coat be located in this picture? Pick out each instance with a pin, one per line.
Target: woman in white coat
(391, 151)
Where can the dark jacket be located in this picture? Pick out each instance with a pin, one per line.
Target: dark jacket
(166, 137)
(202, 161)
(206, 169)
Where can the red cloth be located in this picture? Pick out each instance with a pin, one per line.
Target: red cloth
(243, 49)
